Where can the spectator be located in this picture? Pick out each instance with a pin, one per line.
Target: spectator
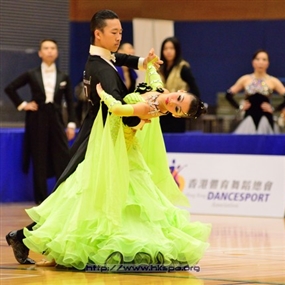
(176, 75)
(258, 88)
(128, 75)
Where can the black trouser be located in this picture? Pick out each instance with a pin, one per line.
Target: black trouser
(49, 147)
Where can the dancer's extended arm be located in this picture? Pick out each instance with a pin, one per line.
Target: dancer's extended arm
(139, 109)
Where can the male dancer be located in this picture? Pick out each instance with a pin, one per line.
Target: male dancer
(45, 137)
(106, 35)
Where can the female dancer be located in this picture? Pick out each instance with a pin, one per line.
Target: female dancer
(258, 87)
(119, 206)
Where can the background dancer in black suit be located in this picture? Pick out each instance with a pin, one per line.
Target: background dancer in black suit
(46, 141)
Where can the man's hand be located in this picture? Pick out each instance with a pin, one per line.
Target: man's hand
(151, 55)
(31, 106)
(70, 133)
(99, 90)
(141, 124)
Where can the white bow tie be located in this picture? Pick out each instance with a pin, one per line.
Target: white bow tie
(49, 69)
(113, 57)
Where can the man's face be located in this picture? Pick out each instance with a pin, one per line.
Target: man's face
(111, 35)
(48, 52)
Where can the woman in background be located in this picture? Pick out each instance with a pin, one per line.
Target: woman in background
(128, 75)
(176, 75)
(258, 87)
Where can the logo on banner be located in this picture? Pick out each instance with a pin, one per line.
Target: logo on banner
(214, 186)
(178, 178)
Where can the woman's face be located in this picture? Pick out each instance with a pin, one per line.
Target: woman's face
(169, 51)
(127, 49)
(261, 62)
(178, 103)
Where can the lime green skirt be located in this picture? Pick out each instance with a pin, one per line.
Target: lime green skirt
(121, 205)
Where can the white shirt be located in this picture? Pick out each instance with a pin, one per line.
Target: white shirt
(49, 80)
(108, 56)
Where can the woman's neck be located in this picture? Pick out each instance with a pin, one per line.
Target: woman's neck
(161, 103)
(259, 75)
(169, 64)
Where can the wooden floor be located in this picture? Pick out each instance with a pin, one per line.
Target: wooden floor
(243, 250)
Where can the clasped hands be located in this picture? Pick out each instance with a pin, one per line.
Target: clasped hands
(156, 61)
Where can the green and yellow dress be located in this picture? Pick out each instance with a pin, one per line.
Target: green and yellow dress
(120, 206)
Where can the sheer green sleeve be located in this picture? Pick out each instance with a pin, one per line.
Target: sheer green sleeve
(152, 77)
(116, 106)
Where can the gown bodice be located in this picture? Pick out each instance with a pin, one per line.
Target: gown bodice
(258, 86)
(151, 100)
(256, 93)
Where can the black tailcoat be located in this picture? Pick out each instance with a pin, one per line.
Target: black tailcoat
(45, 139)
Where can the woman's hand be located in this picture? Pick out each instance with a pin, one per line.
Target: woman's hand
(281, 119)
(266, 107)
(245, 105)
(99, 89)
(152, 57)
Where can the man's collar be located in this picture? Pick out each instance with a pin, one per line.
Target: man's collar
(47, 68)
(102, 52)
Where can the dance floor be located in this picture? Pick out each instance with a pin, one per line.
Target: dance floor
(243, 250)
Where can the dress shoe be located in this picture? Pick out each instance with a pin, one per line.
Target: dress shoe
(21, 252)
(46, 263)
